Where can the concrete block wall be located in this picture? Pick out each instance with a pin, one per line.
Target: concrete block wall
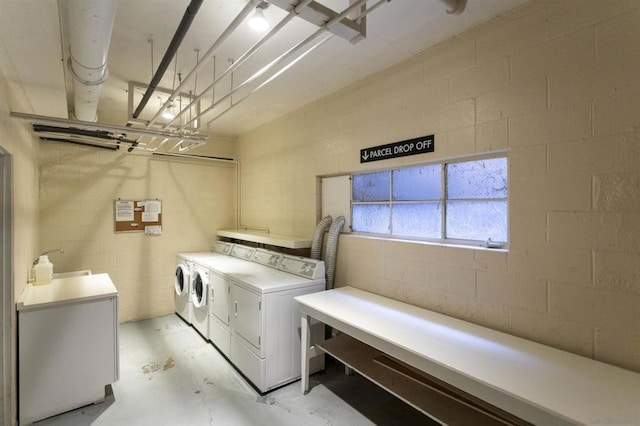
(16, 142)
(555, 84)
(78, 187)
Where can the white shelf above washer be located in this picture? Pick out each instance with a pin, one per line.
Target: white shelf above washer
(270, 239)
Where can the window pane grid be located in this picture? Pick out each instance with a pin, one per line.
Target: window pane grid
(462, 201)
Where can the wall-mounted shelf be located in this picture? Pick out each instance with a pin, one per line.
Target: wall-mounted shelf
(269, 239)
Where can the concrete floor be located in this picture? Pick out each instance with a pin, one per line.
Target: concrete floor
(170, 376)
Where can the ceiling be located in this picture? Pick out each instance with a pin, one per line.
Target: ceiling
(31, 54)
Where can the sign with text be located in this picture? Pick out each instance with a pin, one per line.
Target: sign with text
(398, 149)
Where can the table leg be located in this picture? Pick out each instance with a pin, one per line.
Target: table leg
(306, 341)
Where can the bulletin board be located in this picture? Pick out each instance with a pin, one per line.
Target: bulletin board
(137, 216)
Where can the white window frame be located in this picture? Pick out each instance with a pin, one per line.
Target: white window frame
(442, 202)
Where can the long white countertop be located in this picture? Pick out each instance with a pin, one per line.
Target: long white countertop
(270, 239)
(65, 290)
(572, 387)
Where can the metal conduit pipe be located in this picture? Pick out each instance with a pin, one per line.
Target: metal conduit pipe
(318, 236)
(276, 75)
(39, 119)
(206, 57)
(90, 27)
(331, 252)
(277, 61)
(257, 74)
(242, 59)
(371, 9)
(178, 36)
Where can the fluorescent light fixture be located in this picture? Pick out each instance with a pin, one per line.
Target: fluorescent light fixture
(258, 22)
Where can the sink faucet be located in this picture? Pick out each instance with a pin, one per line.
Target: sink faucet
(47, 252)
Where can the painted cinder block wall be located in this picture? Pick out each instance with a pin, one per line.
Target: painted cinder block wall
(16, 141)
(78, 187)
(556, 85)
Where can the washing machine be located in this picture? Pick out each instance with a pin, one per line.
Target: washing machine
(184, 276)
(182, 285)
(199, 298)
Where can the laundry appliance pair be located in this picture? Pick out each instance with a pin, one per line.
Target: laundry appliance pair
(243, 303)
(186, 272)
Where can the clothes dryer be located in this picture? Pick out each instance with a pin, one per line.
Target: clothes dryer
(253, 317)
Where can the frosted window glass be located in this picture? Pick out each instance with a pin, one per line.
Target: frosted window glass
(372, 218)
(477, 220)
(417, 183)
(417, 220)
(371, 187)
(477, 179)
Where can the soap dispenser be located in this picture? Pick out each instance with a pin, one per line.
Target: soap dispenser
(43, 271)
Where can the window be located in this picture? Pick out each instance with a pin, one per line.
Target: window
(459, 201)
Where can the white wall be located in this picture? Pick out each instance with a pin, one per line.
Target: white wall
(555, 83)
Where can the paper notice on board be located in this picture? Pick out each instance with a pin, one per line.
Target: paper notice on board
(124, 211)
(149, 217)
(153, 206)
(153, 230)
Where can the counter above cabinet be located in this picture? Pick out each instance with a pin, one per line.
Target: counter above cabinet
(65, 290)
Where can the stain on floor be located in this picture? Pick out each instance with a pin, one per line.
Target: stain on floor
(266, 399)
(169, 363)
(152, 367)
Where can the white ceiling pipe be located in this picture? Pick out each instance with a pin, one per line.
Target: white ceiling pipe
(90, 26)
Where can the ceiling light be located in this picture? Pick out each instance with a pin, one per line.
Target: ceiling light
(168, 113)
(258, 22)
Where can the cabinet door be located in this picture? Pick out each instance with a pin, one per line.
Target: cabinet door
(246, 315)
(219, 297)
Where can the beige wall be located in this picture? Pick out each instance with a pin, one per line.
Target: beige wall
(15, 140)
(556, 83)
(78, 187)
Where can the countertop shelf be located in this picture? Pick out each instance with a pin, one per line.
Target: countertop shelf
(291, 242)
(66, 290)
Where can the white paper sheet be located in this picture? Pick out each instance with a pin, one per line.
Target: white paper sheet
(153, 206)
(124, 211)
(149, 217)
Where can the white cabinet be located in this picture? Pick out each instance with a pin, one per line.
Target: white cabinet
(67, 345)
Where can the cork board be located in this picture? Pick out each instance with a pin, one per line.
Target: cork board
(137, 216)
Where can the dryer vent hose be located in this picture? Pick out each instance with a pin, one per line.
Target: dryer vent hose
(332, 249)
(318, 236)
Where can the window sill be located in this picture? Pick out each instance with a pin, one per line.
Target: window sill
(461, 245)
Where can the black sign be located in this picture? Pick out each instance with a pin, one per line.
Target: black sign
(398, 149)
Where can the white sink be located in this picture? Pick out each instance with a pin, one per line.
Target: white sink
(72, 274)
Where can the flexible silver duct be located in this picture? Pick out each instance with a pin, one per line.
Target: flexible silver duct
(318, 236)
(331, 251)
